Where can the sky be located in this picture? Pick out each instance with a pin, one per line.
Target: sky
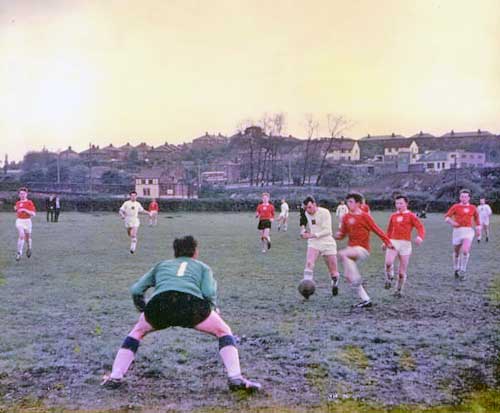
(79, 71)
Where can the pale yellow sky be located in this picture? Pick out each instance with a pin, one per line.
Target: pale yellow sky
(113, 71)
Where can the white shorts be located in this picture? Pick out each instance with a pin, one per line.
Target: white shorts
(284, 215)
(23, 224)
(325, 245)
(132, 223)
(363, 253)
(462, 233)
(402, 246)
(484, 221)
(154, 213)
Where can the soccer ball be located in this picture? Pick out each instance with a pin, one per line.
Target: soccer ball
(307, 288)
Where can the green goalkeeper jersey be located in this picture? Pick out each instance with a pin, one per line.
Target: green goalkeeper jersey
(182, 274)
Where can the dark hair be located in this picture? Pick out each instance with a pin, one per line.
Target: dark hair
(465, 191)
(23, 188)
(132, 192)
(185, 246)
(401, 196)
(356, 196)
(308, 199)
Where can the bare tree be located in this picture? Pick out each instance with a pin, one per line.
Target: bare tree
(312, 126)
(250, 140)
(337, 125)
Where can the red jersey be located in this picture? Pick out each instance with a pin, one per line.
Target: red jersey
(28, 204)
(365, 208)
(358, 227)
(463, 214)
(265, 211)
(153, 206)
(401, 225)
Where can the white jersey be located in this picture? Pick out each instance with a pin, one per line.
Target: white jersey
(341, 211)
(284, 209)
(130, 210)
(484, 212)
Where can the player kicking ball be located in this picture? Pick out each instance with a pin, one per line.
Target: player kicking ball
(184, 296)
(319, 236)
(399, 230)
(357, 225)
(461, 216)
(265, 214)
(129, 212)
(25, 210)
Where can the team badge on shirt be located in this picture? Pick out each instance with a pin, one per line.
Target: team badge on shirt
(351, 221)
(399, 219)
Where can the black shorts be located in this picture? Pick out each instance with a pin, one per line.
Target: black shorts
(263, 224)
(176, 309)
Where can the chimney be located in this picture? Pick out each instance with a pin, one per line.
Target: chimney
(452, 132)
(479, 131)
(392, 134)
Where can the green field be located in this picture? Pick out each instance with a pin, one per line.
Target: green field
(66, 311)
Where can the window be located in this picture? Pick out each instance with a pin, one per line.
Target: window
(430, 166)
(442, 165)
(146, 191)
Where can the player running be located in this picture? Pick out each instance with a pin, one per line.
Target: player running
(357, 225)
(265, 213)
(365, 207)
(25, 210)
(401, 224)
(320, 242)
(283, 217)
(460, 217)
(341, 211)
(153, 212)
(129, 212)
(184, 296)
(485, 212)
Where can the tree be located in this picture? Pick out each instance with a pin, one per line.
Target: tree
(337, 125)
(312, 126)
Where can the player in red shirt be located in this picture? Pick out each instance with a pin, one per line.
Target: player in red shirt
(265, 213)
(25, 209)
(365, 207)
(357, 225)
(401, 224)
(153, 208)
(461, 216)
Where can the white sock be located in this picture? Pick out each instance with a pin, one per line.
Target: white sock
(456, 262)
(133, 244)
(389, 273)
(362, 293)
(231, 360)
(20, 245)
(29, 243)
(464, 261)
(123, 360)
(308, 274)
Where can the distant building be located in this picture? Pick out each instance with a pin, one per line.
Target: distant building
(474, 134)
(382, 137)
(222, 173)
(164, 183)
(209, 141)
(162, 153)
(68, 154)
(437, 161)
(344, 150)
(393, 149)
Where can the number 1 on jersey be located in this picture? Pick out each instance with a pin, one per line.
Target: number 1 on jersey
(182, 269)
